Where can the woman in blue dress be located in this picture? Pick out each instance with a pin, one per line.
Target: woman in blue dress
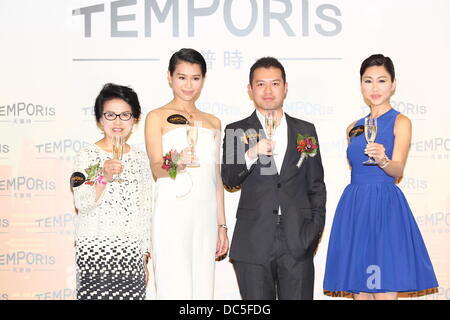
(375, 249)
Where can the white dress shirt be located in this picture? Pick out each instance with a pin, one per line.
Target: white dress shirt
(280, 138)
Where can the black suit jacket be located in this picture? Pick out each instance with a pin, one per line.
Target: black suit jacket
(300, 192)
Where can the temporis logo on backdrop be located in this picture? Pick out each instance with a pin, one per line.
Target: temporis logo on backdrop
(65, 149)
(219, 109)
(436, 148)
(26, 262)
(26, 113)
(61, 294)
(309, 110)
(4, 148)
(88, 113)
(414, 186)
(435, 222)
(296, 18)
(4, 224)
(413, 110)
(27, 187)
(61, 224)
(333, 147)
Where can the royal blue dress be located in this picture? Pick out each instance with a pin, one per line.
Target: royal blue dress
(375, 244)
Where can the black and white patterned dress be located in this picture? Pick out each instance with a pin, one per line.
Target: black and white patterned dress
(113, 232)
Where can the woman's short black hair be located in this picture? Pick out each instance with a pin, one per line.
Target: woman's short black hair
(378, 60)
(187, 55)
(267, 62)
(113, 91)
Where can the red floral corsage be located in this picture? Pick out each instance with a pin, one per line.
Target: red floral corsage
(307, 146)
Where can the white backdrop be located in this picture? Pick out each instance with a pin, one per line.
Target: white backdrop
(56, 55)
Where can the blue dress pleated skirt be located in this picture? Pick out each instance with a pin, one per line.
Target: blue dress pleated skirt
(375, 244)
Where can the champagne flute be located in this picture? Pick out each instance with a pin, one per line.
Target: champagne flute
(370, 131)
(117, 147)
(270, 122)
(192, 136)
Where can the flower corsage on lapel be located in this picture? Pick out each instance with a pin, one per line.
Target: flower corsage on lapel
(307, 147)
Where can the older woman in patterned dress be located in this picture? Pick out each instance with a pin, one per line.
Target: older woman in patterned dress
(113, 221)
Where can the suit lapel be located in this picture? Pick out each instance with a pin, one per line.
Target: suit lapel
(291, 142)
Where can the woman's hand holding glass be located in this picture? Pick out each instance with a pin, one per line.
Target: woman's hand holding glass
(376, 151)
(186, 157)
(111, 168)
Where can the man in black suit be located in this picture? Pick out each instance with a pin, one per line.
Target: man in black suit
(281, 211)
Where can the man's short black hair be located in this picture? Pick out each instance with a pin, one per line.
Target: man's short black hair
(267, 62)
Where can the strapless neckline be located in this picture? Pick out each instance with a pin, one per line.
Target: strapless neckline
(208, 129)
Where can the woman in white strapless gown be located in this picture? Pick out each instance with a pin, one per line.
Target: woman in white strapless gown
(185, 229)
(189, 230)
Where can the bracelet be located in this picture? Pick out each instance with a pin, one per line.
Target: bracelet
(223, 226)
(147, 254)
(386, 162)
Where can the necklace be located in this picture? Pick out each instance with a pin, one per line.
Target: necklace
(189, 114)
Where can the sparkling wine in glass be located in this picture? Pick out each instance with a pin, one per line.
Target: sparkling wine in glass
(192, 136)
(270, 123)
(370, 131)
(117, 148)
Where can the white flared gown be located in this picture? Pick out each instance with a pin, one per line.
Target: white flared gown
(185, 222)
